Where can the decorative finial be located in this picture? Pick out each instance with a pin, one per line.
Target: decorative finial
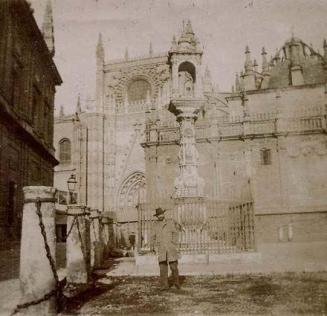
(189, 29)
(78, 105)
(265, 66)
(292, 31)
(150, 49)
(237, 83)
(248, 65)
(100, 49)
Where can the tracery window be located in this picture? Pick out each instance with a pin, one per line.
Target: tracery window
(138, 89)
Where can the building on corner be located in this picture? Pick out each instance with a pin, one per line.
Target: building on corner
(27, 88)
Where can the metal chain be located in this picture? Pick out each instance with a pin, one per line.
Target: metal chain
(71, 227)
(35, 302)
(58, 290)
(46, 245)
(94, 232)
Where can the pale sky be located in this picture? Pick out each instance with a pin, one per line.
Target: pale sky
(224, 28)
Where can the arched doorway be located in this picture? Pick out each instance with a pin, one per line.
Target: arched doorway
(132, 192)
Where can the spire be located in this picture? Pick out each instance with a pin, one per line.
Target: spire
(187, 41)
(265, 66)
(248, 65)
(150, 49)
(188, 28)
(126, 53)
(237, 83)
(61, 112)
(255, 65)
(100, 49)
(47, 28)
(78, 105)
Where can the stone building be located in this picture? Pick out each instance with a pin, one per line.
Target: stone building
(264, 142)
(27, 88)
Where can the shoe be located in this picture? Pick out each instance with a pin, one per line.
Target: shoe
(177, 286)
(164, 288)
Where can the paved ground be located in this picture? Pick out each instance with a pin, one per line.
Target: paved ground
(119, 291)
(276, 294)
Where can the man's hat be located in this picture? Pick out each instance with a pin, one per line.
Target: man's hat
(159, 211)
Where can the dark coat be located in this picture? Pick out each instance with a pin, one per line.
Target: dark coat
(165, 240)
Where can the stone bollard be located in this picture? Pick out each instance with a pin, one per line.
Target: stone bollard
(78, 245)
(38, 277)
(97, 246)
(106, 222)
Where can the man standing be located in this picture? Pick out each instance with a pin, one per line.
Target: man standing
(165, 243)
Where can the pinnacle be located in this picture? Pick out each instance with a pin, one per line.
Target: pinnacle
(263, 51)
(188, 28)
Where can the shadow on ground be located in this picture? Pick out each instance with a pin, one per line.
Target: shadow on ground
(277, 294)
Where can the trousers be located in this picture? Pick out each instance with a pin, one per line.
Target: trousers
(163, 265)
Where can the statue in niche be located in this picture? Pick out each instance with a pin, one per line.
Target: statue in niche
(186, 84)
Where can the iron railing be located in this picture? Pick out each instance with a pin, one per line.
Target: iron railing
(207, 226)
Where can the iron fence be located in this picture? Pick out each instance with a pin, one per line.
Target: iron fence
(207, 226)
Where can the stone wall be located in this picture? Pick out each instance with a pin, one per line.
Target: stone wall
(27, 89)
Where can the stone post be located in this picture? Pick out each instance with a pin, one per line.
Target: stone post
(97, 245)
(78, 245)
(106, 222)
(36, 275)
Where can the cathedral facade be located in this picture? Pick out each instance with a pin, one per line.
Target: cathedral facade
(264, 141)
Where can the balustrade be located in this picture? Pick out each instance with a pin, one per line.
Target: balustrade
(308, 120)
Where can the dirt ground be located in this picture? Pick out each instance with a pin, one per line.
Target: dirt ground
(275, 294)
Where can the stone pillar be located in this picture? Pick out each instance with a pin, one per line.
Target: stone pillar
(174, 79)
(190, 209)
(96, 239)
(107, 242)
(78, 245)
(36, 275)
(188, 183)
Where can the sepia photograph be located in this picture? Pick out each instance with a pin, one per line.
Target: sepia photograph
(163, 157)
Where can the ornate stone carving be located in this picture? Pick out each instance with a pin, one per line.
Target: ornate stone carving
(188, 183)
(155, 74)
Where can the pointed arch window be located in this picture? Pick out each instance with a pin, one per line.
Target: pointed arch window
(64, 151)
